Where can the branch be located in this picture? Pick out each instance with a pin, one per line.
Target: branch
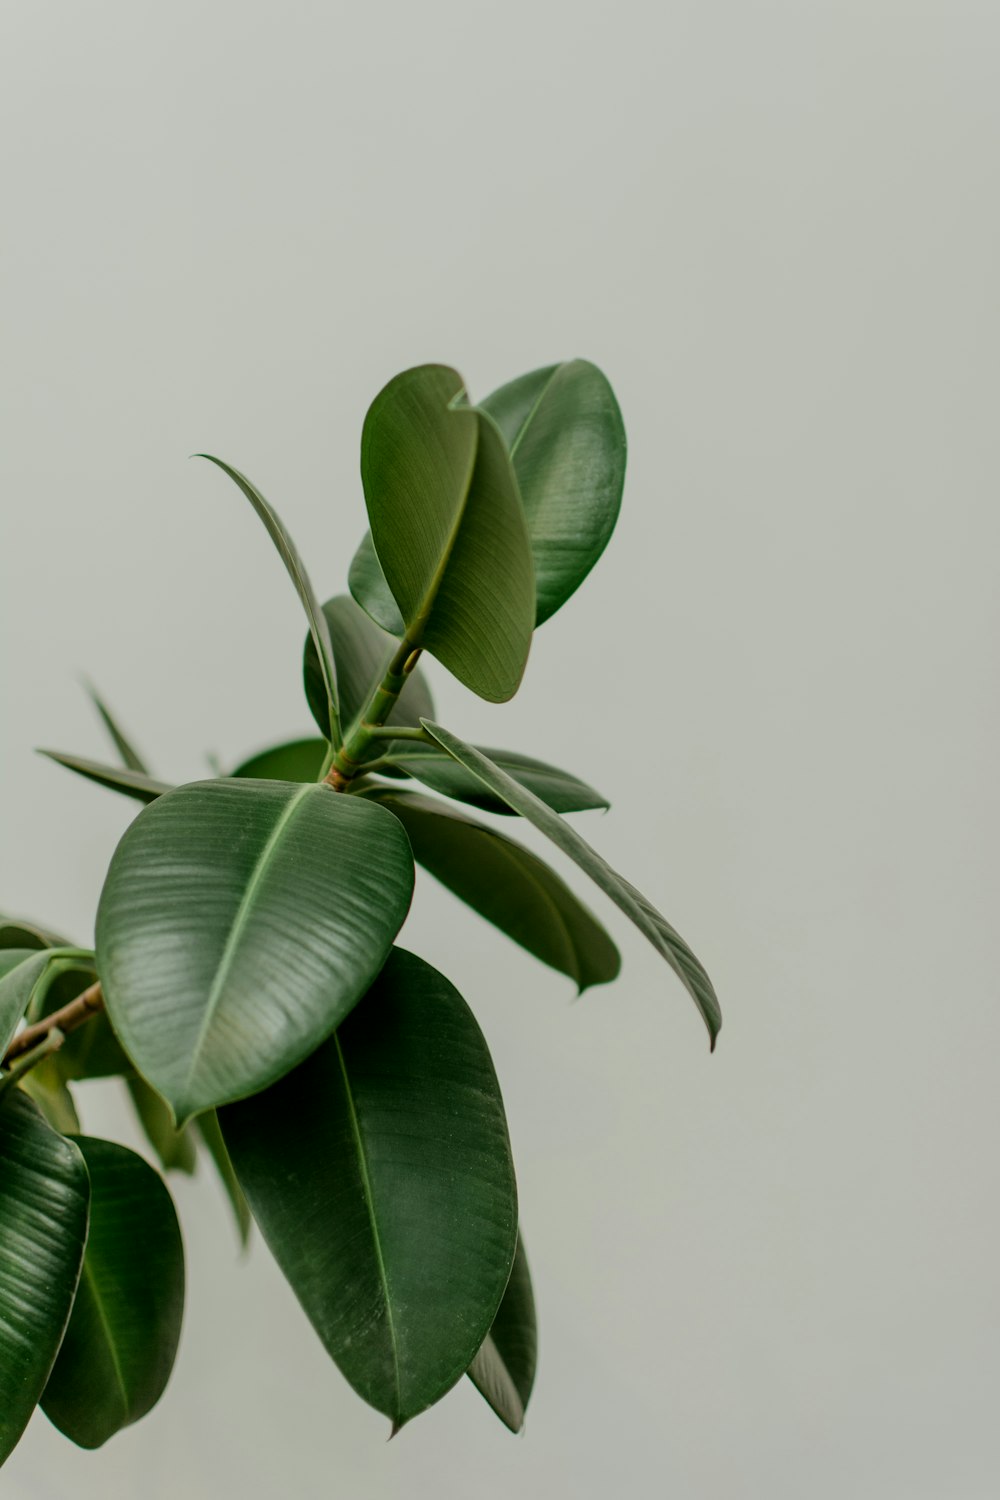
(75, 1014)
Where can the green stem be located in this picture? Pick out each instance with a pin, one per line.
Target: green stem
(369, 726)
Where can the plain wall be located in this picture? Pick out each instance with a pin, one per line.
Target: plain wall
(766, 1274)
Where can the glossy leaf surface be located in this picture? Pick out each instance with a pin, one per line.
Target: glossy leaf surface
(509, 886)
(504, 1369)
(174, 1148)
(367, 584)
(397, 1226)
(122, 1336)
(207, 1127)
(44, 1194)
(449, 528)
(239, 923)
(650, 923)
(296, 760)
(362, 652)
(116, 778)
(296, 571)
(567, 442)
(557, 789)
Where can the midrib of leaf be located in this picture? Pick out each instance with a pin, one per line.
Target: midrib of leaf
(370, 1205)
(239, 923)
(105, 1324)
(422, 616)
(533, 412)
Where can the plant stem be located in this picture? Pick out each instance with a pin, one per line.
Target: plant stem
(89, 1003)
(50, 1043)
(369, 726)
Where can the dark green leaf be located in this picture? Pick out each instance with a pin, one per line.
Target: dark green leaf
(239, 923)
(567, 442)
(128, 755)
(396, 1224)
(449, 529)
(656, 928)
(362, 652)
(436, 769)
(504, 1369)
(207, 1126)
(17, 934)
(122, 1336)
(296, 571)
(43, 1226)
(298, 760)
(174, 1148)
(133, 783)
(366, 582)
(509, 886)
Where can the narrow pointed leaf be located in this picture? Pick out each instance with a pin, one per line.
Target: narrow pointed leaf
(174, 1148)
(509, 886)
(449, 529)
(44, 1193)
(127, 752)
(567, 442)
(239, 923)
(207, 1127)
(650, 923)
(362, 652)
(297, 760)
(504, 1369)
(397, 1226)
(132, 783)
(122, 1336)
(367, 584)
(436, 769)
(296, 571)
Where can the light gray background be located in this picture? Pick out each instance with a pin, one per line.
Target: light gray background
(772, 1273)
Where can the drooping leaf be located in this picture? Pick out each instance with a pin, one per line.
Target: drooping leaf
(129, 756)
(567, 442)
(449, 530)
(22, 982)
(44, 1194)
(122, 1336)
(397, 1227)
(504, 1369)
(436, 769)
(655, 927)
(367, 584)
(509, 886)
(297, 760)
(46, 1085)
(239, 923)
(362, 652)
(296, 571)
(174, 1148)
(207, 1127)
(133, 783)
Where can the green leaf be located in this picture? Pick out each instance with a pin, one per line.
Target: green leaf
(128, 755)
(509, 886)
(504, 1369)
(567, 442)
(50, 1091)
(133, 783)
(122, 1337)
(17, 934)
(396, 1221)
(366, 582)
(22, 982)
(174, 1148)
(239, 923)
(207, 1126)
(43, 1226)
(362, 653)
(656, 928)
(436, 769)
(93, 1050)
(449, 529)
(297, 760)
(296, 571)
